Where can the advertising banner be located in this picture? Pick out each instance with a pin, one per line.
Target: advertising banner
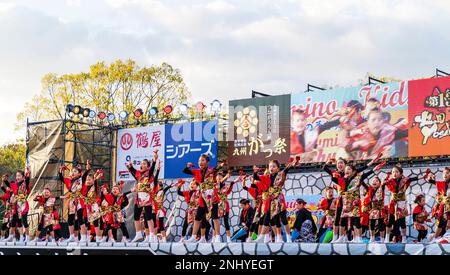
(354, 123)
(429, 116)
(258, 130)
(177, 144)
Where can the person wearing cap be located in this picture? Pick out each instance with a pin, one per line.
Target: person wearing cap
(304, 226)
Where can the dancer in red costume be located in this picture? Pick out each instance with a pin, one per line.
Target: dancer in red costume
(397, 184)
(273, 199)
(205, 177)
(441, 208)
(18, 195)
(144, 200)
(420, 217)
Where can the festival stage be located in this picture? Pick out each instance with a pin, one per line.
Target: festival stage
(223, 249)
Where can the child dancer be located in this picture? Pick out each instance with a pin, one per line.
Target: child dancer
(50, 216)
(441, 208)
(191, 197)
(373, 204)
(207, 208)
(5, 198)
(327, 204)
(349, 191)
(19, 191)
(92, 201)
(224, 190)
(339, 173)
(116, 206)
(272, 198)
(420, 216)
(397, 184)
(74, 184)
(159, 209)
(143, 202)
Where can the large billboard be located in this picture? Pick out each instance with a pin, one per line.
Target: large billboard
(258, 130)
(353, 123)
(429, 116)
(177, 144)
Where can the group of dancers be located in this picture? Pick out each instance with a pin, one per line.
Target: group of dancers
(97, 212)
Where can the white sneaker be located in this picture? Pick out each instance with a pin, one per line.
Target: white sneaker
(267, 238)
(341, 239)
(27, 239)
(71, 239)
(138, 237)
(21, 239)
(153, 238)
(217, 239)
(83, 239)
(386, 239)
(335, 239)
(192, 239)
(260, 239)
(163, 240)
(404, 240)
(202, 240)
(278, 239)
(124, 240)
(228, 239)
(288, 239)
(147, 239)
(372, 240)
(181, 240)
(9, 239)
(249, 240)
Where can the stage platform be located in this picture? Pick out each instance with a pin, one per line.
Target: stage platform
(222, 249)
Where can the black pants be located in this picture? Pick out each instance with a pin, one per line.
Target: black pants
(161, 226)
(283, 217)
(22, 222)
(422, 235)
(124, 229)
(375, 224)
(201, 214)
(401, 223)
(80, 219)
(337, 219)
(354, 221)
(226, 221)
(148, 215)
(185, 227)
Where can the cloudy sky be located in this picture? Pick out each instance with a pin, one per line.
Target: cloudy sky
(224, 48)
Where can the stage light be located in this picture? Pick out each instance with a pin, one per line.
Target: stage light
(86, 112)
(92, 114)
(183, 109)
(168, 109)
(111, 117)
(138, 113)
(123, 115)
(216, 105)
(200, 106)
(102, 115)
(77, 109)
(153, 112)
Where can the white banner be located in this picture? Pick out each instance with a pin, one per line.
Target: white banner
(137, 144)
